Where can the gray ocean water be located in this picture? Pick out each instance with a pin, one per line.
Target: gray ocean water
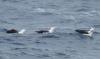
(64, 43)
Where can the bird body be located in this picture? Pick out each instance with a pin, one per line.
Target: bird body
(12, 31)
(82, 31)
(15, 31)
(41, 31)
(86, 32)
(51, 30)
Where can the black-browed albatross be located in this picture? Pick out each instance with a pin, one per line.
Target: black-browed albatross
(51, 30)
(86, 32)
(15, 31)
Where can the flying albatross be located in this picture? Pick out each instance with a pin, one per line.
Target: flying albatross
(86, 32)
(51, 30)
(15, 31)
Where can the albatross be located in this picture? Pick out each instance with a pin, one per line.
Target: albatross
(86, 32)
(15, 31)
(51, 30)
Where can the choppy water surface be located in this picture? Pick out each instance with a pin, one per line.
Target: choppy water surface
(64, 43)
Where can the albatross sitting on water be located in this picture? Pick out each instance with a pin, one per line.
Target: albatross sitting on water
(86, 32)
(51, 30)
(15, 31)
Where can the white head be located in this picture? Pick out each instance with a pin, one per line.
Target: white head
(91, 29)
(90, 32)
(21, 31)
(51, 30)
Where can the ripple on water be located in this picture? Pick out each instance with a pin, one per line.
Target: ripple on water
(43, 55)
(17, 43)
(61, 54)
(50, 36)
